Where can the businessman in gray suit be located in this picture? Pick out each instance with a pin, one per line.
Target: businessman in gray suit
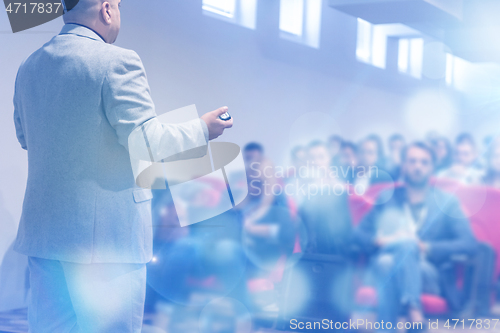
(86, 227)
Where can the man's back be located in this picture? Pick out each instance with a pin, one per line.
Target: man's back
(86, 227)
(77, 99)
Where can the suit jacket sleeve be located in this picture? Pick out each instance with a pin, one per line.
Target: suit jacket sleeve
(461, 239)
(17, 119)
(130, 110)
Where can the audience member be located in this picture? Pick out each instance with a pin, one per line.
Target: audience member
(269, 228)
(187, 257)
(348, 162)
(409, 236)
(298, 175)
(321, 171)
(334, 143)
(372, 163)
(253, 152)
(465, 168)
(260, 173)
(325, 213)
(396, 145)
(298, 157)
(492, 176)
(443, 151)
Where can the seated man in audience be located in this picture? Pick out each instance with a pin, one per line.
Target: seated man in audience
(465, 168)
(260, 172)
(409, 233)
(348, 162)
(325, 212)
(269, 228)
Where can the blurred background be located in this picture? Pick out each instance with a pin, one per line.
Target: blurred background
(312, 85)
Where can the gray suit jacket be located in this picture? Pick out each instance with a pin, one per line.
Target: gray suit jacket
(76, 101)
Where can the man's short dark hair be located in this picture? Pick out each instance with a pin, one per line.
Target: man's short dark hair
(465, 138)
(253, 146)
(315, 144)
(295, 151)
(420, 145)
(380, 147)
(396, 137)
(335, 137)
(349, 145)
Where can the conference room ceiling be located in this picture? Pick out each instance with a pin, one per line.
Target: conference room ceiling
(470, 28)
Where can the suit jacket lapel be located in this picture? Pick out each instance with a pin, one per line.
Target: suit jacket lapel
(433, 212)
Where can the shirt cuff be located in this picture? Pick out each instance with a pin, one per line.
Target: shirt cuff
(205, 129)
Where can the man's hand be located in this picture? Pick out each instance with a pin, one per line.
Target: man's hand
(216, 126)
